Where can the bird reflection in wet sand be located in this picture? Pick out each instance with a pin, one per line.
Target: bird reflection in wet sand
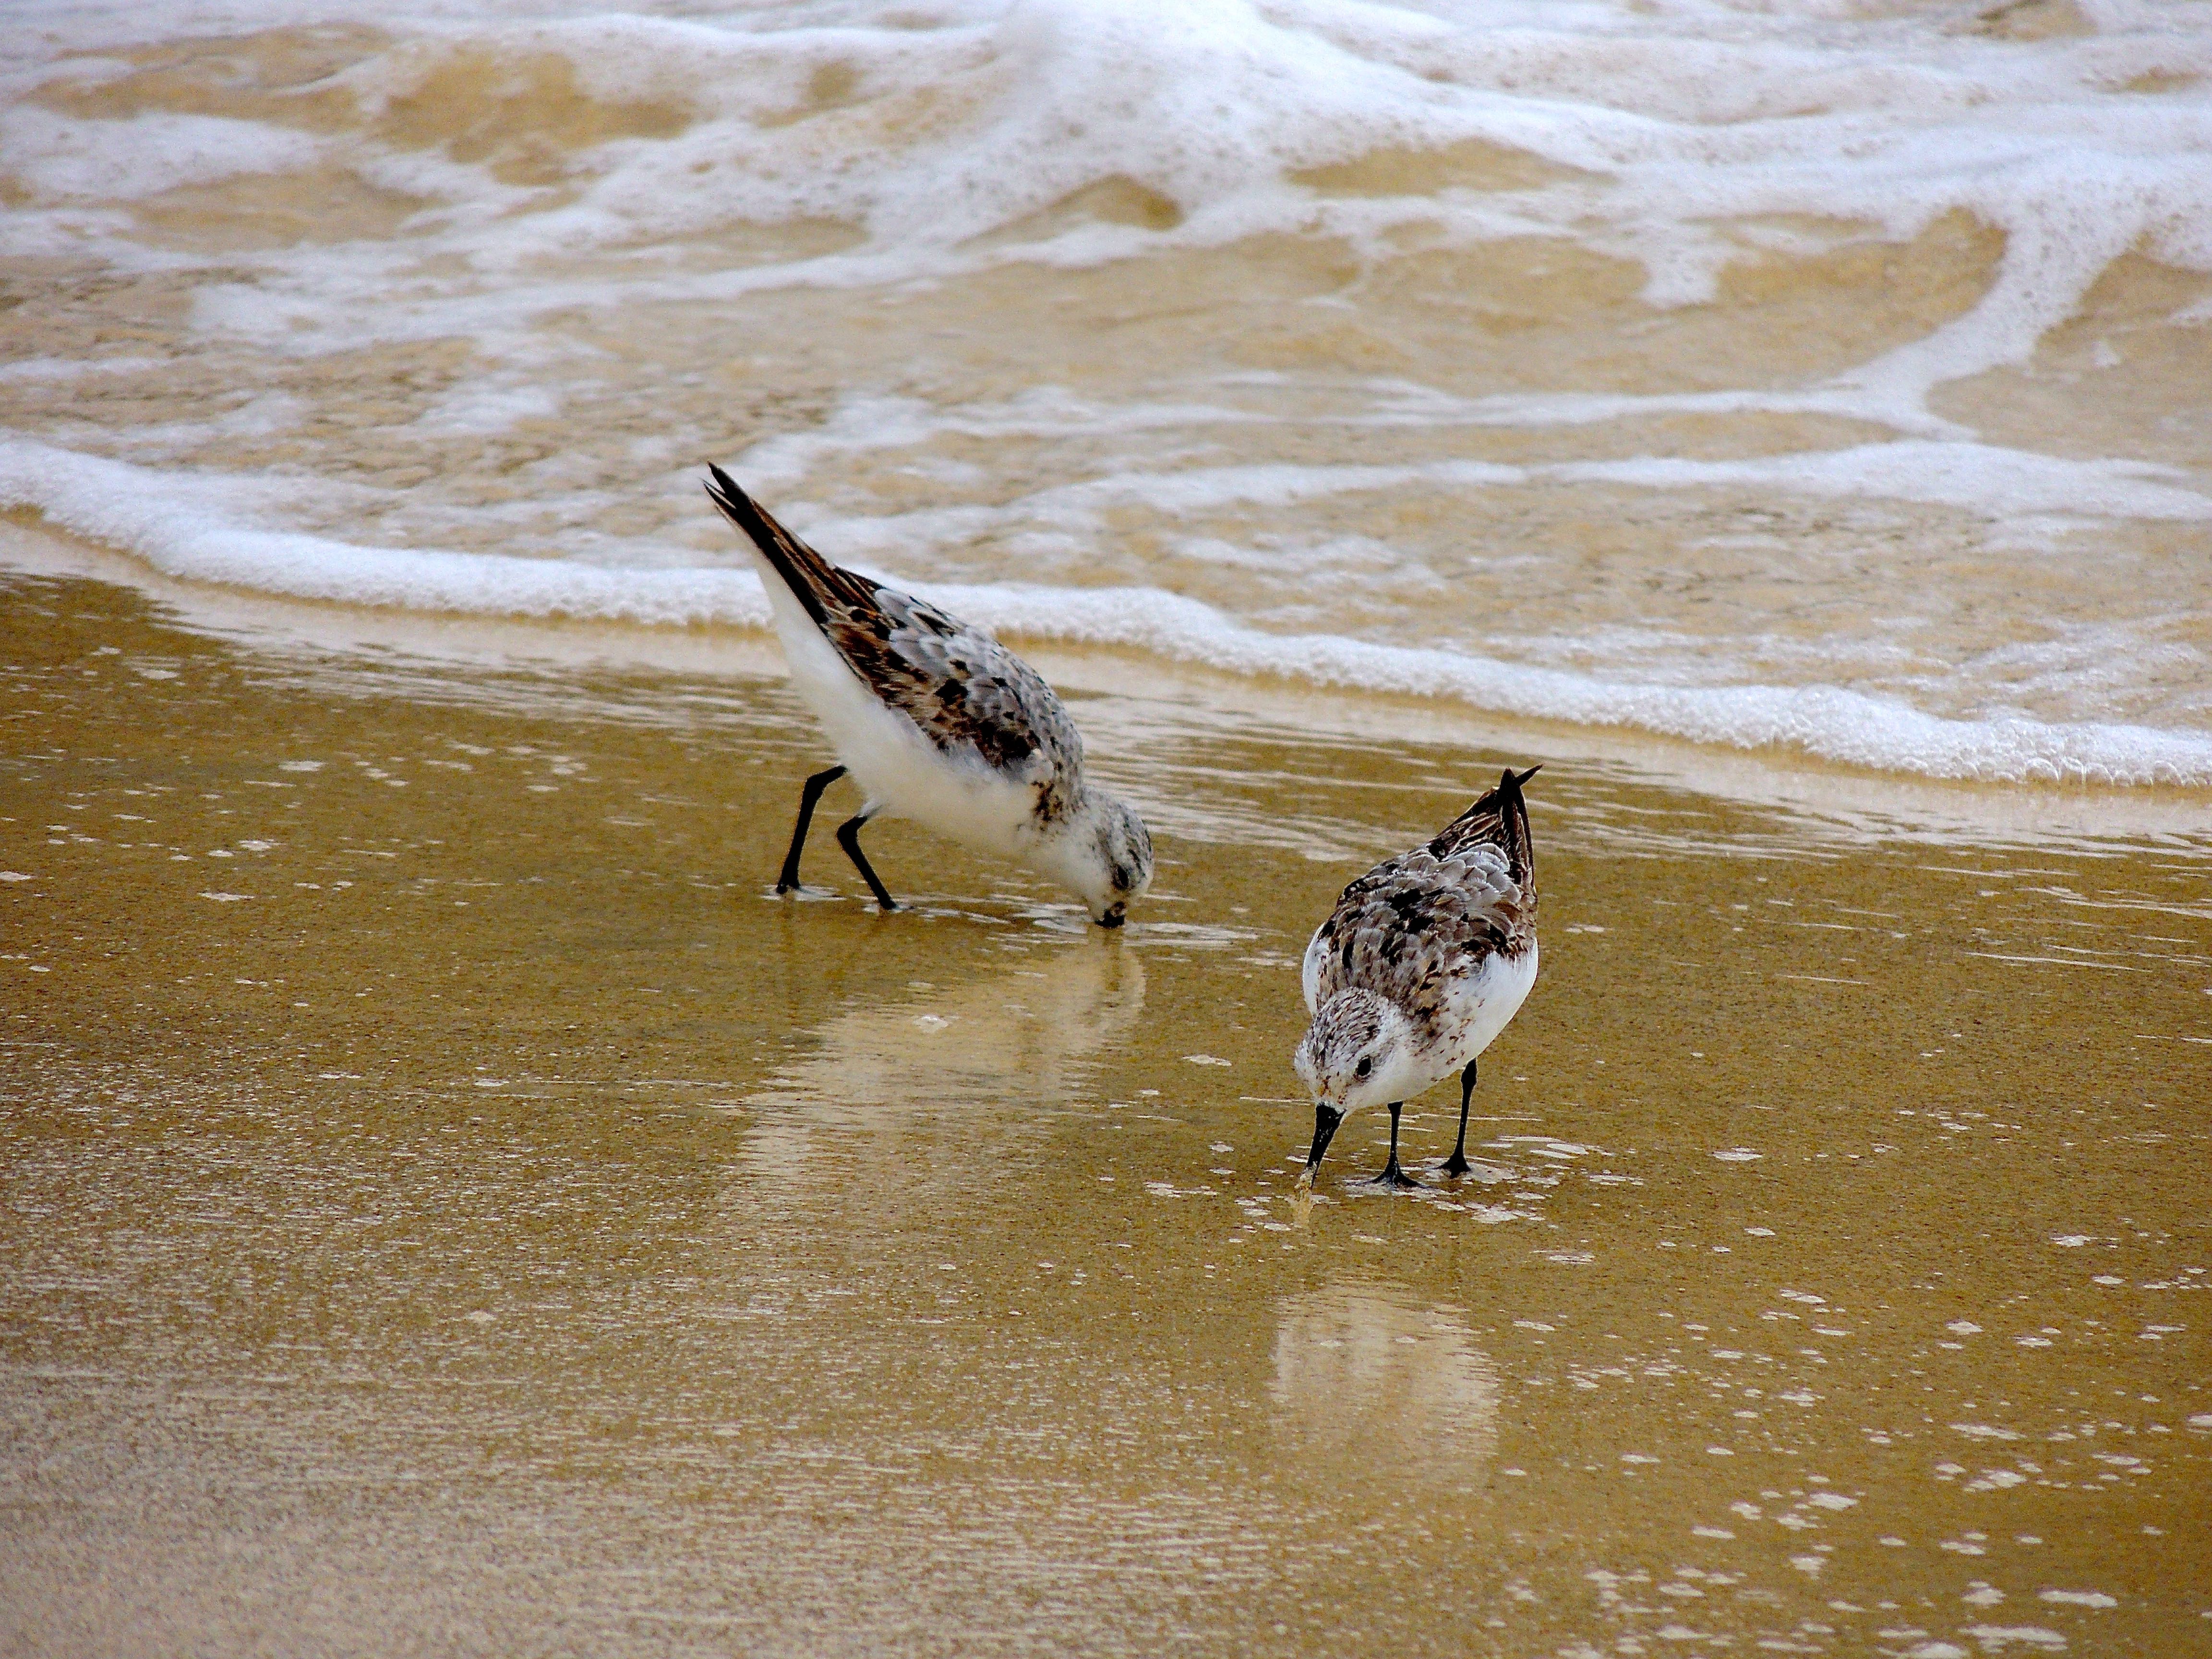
(1369, 1381)
(884, 1075)
(1424, 959)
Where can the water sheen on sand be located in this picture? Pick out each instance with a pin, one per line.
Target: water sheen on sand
(448, 1205)
(1813, 375)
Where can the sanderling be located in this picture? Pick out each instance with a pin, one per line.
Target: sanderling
(1423, 960)
(938, 722)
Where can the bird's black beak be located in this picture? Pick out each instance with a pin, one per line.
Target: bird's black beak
(1114, 918)
(1325, 1121)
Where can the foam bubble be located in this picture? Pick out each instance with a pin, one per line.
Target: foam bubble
(1981, 477)
(1991, 479)
(188, 527)
(560, 160)
(1646, 135)
(63, 159)
(480, 408)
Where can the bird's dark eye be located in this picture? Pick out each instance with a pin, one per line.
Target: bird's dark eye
(1365, 1067)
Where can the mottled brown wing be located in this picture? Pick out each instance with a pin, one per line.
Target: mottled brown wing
(1412, 925)
(964, 691)
(1499, 820)
(959, 685)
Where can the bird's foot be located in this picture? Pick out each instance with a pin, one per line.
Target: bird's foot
(1392, 1176)
(1456, 1165)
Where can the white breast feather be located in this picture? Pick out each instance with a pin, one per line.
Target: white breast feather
(1478, 1006)
(901, 771)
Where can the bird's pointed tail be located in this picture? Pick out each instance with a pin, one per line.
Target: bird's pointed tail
(812, 579)
(1512, 810)
(1500, 818)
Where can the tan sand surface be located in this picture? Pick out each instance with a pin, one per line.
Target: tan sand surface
(448, 1204)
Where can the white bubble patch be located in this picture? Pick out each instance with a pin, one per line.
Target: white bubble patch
(865, 148)
(187, 526)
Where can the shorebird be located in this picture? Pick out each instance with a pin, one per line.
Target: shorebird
(1423, 962)
(937, 723)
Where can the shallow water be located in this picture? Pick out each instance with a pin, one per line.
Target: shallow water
(450, 1206)
(447, 1204)
(1828, 377)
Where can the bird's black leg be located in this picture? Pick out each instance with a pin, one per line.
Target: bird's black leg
(1456, 1164)
(807, 797)
(1392, 1176)
(848, 837)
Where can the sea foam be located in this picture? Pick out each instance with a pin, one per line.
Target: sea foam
(182, 527)
(944, 144)
(528, 163)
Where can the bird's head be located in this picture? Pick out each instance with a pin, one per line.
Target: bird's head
(1358, 1052)
(1111, 860)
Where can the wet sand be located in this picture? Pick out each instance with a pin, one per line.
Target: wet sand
(449, 1205)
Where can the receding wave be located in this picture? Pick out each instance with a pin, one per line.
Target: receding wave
(1080, 132)
(1811, 376)
(179, 527)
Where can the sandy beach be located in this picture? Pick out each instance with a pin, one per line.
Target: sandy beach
(451, 1205)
